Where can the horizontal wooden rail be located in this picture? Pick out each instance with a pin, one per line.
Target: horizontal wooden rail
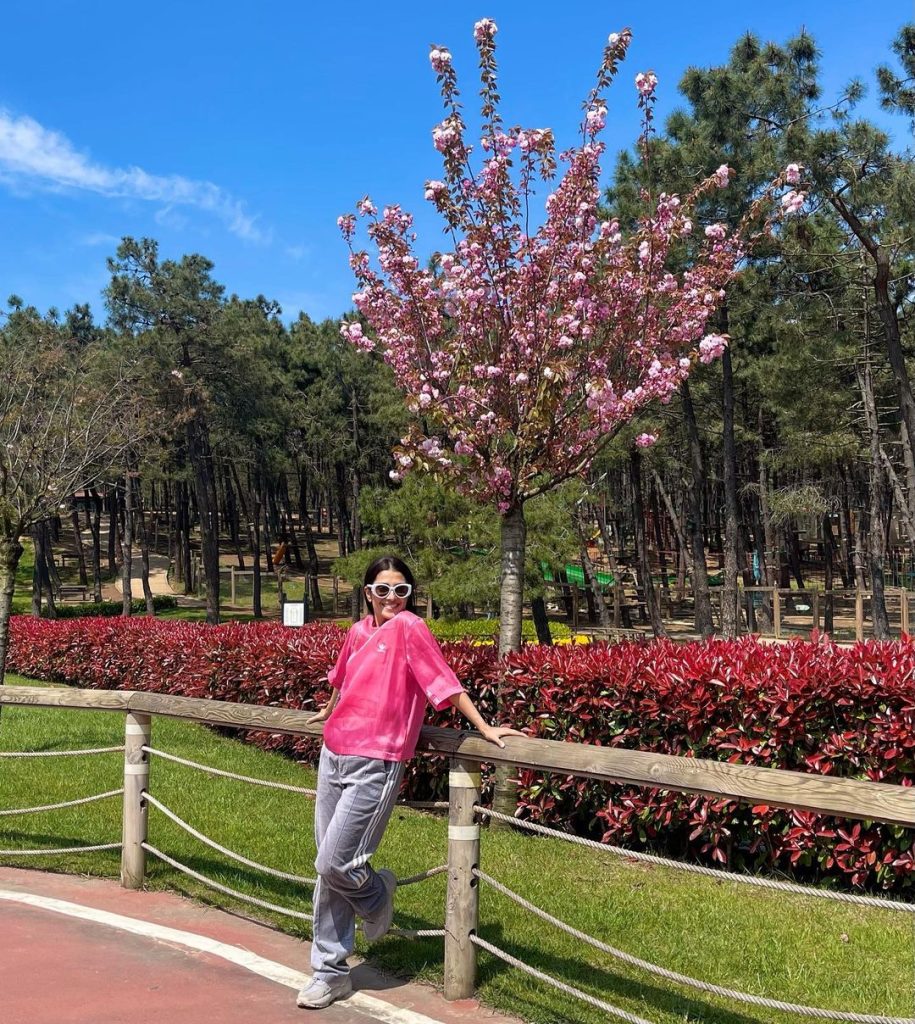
(774, 787)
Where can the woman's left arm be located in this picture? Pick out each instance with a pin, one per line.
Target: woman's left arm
(493, 733)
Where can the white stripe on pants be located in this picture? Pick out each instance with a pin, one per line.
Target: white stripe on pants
(355, 798)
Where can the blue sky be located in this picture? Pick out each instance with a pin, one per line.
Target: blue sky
(241, 131)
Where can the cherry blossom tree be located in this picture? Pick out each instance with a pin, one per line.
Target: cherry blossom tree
(530, 343)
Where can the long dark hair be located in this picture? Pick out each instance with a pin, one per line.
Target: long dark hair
(395, 564)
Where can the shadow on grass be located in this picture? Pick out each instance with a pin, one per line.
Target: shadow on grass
(602, 982)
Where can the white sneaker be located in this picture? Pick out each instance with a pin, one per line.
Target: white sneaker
(318, 994)
(381, 923)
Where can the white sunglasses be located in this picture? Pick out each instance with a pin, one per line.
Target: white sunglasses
(382, 590)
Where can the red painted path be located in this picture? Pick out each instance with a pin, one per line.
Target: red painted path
(56, 968)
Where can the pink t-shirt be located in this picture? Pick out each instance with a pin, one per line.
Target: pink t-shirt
(385, 675)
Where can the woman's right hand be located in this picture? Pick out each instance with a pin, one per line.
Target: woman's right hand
(321, 716)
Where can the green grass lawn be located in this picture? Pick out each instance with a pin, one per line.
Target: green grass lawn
(788, 947)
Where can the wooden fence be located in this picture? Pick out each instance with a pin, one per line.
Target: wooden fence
(785, 606)
(774, 787)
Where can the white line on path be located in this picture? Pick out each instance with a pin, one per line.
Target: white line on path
(269, 969)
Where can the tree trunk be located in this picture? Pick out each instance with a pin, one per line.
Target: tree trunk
(10, 553)
(701, 595)
(511, 600)
(144, 552)
(78, 543)
(201, 460)
(112, 500)
(673, 517)
(511, 596)
(345, 541)
(255, 532)
(541, 622)
(846, 542)
(829, 550)
(41, 577)
(641, 545)
(596, 598)
(313, 588)
(878, 511)
(127, 547)
(729, 592)
(232, 517)
(95, 525)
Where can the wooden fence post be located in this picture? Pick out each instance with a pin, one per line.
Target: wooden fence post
(859, 614)
(776, 613)
(336, 593)
(815, 603)
(232, 584)
(136, 811)
(463, 899)
(574, 589)
(617, 605)
(904, 610)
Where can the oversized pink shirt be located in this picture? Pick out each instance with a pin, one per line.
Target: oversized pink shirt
(385, 675)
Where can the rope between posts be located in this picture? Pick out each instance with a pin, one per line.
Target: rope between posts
(65, 803)
(224, 850)
(230, 775)
(422, 876)
(63, 849)
(699, 869)
(224, 888)
(417, 933)
(683, 979)
(556, 983)
(60, 753)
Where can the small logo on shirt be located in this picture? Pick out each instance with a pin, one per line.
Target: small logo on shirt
(382, 647)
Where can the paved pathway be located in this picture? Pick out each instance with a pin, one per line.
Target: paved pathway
(85, 951)
(158, 575)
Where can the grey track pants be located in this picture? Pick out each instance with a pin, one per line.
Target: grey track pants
(355, 798)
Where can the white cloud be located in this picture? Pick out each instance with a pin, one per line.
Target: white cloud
(29, 152)
(99, 238)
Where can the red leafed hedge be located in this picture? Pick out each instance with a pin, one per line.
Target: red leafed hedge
(805, 706)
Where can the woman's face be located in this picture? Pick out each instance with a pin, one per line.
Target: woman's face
(387, 607)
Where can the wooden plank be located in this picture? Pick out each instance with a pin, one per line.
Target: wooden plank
(775, 787)
(65, 697)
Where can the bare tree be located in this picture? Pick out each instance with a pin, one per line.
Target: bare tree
(59, 429)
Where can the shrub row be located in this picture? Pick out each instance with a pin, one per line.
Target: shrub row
(108, 609)
(804, 706)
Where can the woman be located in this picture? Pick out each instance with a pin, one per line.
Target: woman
(389, 667)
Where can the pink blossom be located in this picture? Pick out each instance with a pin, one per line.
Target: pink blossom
(722, 176)
(793, 202)
(646, 440)
(434, 189)
(445, 135)
(543, 327)
(485, 28)
(347, 225)
(793, 174)
(716, 231)
(712, 347)
(366, 207)
(440, 60)
(596, 119)
(645, 82)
